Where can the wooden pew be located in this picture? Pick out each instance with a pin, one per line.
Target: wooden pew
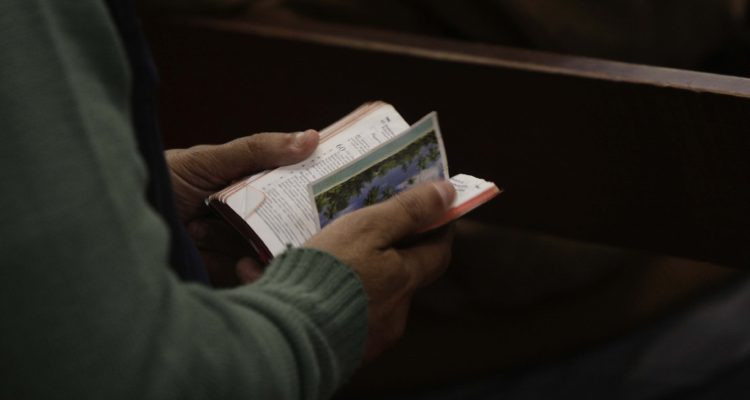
(628, 155)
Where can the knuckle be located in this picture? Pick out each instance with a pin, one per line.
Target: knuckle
(198, 232)
(195, 230)
(360, 224)
(396, 329)
(399, 278)
(441, 265)
(197, 155)
(254, 145)
(447, 257)
(202, 147)
(413, 207)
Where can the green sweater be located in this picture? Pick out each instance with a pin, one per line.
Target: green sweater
(89, 306)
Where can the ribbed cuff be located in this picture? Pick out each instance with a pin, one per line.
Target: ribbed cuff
(330, 293)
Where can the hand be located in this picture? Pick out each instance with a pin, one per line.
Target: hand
(383, 246)
(200, 171)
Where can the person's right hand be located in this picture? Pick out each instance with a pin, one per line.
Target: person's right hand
(382, 243)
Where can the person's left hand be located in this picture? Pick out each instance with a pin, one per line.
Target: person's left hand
(200, 171)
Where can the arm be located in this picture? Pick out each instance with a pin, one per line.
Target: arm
(90, 308)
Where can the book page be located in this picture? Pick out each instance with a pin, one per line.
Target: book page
(415, 156)
(471, 192)
(276, 204)
(468, 188)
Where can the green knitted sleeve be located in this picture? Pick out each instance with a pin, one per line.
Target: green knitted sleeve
(90, 308)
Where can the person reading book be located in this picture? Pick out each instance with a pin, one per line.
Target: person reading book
(90, 228)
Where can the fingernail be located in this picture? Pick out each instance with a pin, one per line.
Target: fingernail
(302, 139)
(447, 192)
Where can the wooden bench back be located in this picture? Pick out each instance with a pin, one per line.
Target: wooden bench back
(637, 156)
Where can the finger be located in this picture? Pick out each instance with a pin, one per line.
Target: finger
(220, 268)
(429, 257)
(245, 156)
(248, 270)
(217, 235)
(410, 212)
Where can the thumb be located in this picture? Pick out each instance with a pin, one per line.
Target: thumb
(248, 155)
(412, 211)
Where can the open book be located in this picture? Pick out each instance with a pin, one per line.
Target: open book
(364, 158)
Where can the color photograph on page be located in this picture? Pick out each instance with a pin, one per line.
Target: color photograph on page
(416, 156)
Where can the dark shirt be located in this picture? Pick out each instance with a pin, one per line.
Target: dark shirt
(183, 256)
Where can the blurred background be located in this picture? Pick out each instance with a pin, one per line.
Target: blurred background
(703, 35)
